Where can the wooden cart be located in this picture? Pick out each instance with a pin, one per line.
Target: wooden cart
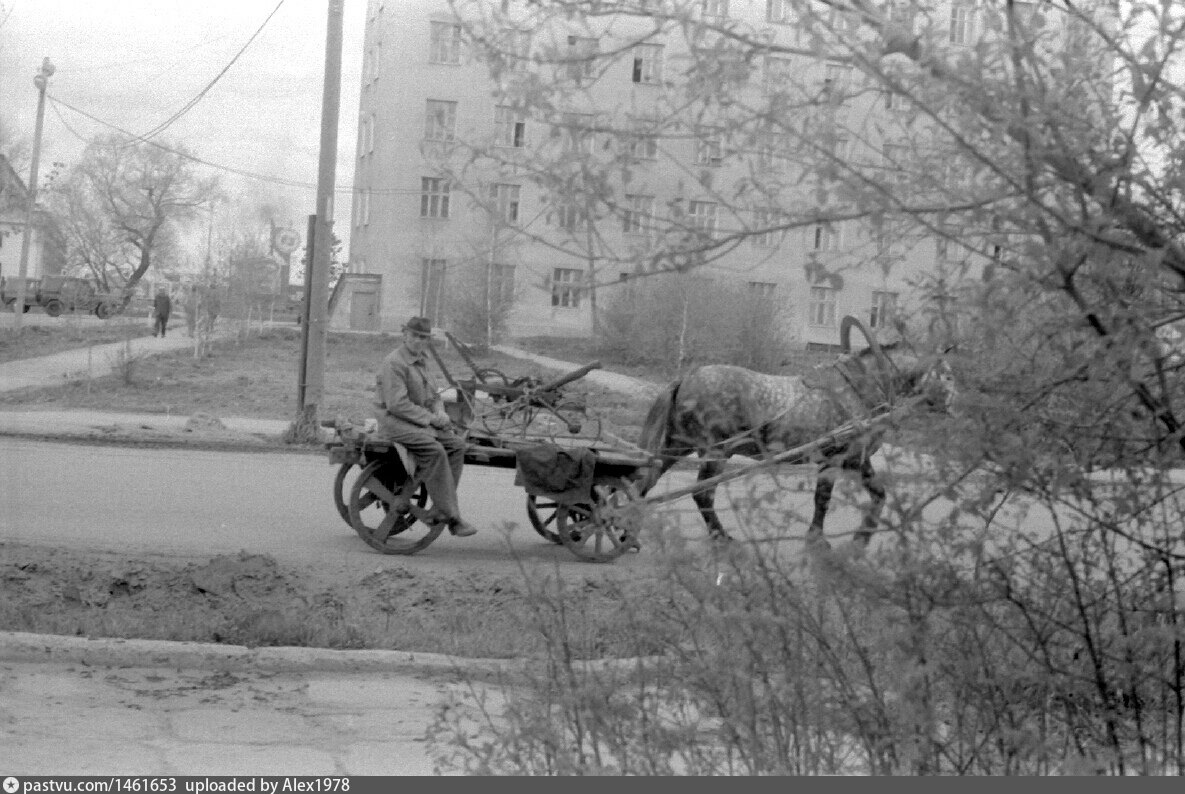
(386, 504)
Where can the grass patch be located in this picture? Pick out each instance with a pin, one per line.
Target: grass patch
(257, 378)
(46, 340)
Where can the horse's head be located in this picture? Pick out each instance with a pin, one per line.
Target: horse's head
(886, 373)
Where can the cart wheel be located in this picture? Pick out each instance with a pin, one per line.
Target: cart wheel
(53, 308)
(585, 532)
(380, 500)
(341, 496)
(102, 311)
(544, 513)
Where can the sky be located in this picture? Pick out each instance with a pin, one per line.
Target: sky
(134, 63)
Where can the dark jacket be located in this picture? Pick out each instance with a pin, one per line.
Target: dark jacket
(161, 305)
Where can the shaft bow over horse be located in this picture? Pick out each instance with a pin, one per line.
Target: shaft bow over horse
(718, 411)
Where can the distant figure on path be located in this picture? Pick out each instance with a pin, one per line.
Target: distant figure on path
(161, 307)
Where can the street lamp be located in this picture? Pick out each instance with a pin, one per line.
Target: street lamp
(41, 80)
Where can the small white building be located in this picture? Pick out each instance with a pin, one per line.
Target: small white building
(46, 250)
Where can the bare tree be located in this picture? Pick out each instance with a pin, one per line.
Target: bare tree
(125, 202)
(1029, 615)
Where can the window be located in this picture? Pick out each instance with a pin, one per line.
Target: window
(896, 102)
(568, 215)
(638, 214)
(825, 237)
(779, 11)
(960, 24)
(714, 8)
(835, 82)
(822, 306)
(505, 199)
(501, 284)
(643, 143)
(366, 135)
(772, 147)
(510, 127)
(702, 215)
(566, 287)
(364, 207)
(581, 58)
(764, 236)
(709, 147)
(948, 246)
(445, 44)
(433, 197)
(762, 289)
(839, 148)
(440, 122)
(777, 74)
(432, 273)
(884, 304)
(900, 14)
(648, 64)
(577, 132)
(518, 48)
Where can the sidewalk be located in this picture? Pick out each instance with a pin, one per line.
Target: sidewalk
(76, 706)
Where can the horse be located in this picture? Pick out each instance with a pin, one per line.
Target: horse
(720, 410)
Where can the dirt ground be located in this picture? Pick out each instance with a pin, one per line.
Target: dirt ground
(255, 600)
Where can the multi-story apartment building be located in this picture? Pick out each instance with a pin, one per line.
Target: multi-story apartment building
(425, 208)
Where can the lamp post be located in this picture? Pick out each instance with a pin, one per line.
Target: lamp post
(41, 80)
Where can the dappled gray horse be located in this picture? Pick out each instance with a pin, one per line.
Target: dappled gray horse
(719, 411)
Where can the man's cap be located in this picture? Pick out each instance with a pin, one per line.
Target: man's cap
(420, 326)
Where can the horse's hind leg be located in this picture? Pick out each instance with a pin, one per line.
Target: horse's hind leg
(824, 483)
(705, 499)
(876, 491)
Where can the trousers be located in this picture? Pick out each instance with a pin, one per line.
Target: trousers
(439, 455)
(159, 325)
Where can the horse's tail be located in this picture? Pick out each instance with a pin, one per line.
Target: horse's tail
(656, 429)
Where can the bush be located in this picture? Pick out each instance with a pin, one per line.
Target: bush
(956, 653)
(673, 322)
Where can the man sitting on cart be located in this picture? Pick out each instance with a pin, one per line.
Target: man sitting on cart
(411, 412)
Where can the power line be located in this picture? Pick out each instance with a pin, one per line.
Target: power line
(229, 169)
(191, 103)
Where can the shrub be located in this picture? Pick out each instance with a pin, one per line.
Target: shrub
(674, 322)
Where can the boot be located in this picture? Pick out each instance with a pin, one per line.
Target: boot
(461, 529)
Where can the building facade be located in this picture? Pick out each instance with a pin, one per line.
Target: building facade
(447, 181)
(46, 248)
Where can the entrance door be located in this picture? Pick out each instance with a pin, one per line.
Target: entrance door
(364, 314)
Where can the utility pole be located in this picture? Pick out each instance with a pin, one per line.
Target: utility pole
(317, 288)
(41, 80)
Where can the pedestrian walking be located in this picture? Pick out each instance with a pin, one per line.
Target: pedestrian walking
(161, 307)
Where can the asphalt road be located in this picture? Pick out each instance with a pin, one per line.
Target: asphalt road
(190, 503)
(197, 503)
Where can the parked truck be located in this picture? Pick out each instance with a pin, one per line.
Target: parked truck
(58, 294)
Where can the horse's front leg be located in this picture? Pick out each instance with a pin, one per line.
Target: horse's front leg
(705, 499)
(876, 491)
(824, 483)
